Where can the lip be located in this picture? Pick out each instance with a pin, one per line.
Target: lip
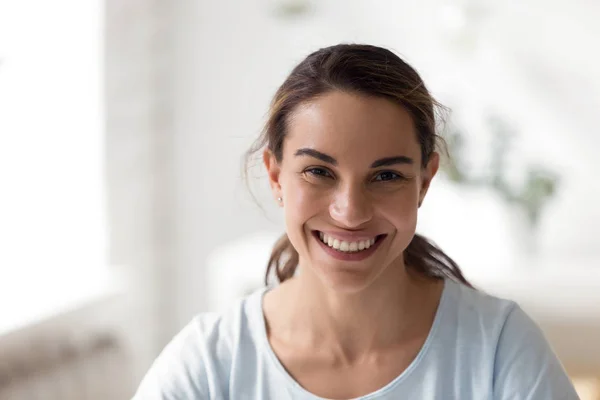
(358, 256)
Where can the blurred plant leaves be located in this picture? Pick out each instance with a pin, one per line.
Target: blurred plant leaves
(539, 183)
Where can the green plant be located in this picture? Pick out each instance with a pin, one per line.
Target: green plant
(538, 184)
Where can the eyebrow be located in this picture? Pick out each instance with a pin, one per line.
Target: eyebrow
(382, 162)
(316, 154)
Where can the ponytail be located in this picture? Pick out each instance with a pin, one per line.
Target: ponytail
(283, 260)
(424, 257)
(421, 255)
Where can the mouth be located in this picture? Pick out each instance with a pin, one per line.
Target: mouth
(347, 249)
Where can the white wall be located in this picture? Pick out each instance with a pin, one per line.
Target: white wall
(138, 159)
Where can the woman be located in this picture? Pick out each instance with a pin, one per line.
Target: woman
(365, 308)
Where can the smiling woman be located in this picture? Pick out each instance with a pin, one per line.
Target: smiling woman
(343, 139)
(364, 307)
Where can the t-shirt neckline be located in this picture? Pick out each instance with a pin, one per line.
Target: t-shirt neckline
(257, 307)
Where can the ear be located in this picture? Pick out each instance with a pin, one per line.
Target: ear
(427, 175)
(273, 171)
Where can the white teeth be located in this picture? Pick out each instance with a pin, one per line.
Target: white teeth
(344, 246)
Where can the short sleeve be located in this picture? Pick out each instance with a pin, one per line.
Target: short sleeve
(179, 372)
(525, 366)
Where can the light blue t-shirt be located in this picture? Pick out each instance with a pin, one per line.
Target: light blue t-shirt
(479, 347)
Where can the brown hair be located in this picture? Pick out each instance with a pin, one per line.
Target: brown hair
(371, 71)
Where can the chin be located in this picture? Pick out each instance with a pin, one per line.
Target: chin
(344, 277)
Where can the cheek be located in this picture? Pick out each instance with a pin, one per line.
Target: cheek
(401, 211)
(302, 201)
(404, 218)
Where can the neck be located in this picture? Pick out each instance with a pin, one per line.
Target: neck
(352, 325)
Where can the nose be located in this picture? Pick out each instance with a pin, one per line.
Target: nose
(351, 207)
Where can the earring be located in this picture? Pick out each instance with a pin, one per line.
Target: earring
(279, 199)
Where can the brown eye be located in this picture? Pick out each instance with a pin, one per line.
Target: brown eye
(318, 172)
(386, 176)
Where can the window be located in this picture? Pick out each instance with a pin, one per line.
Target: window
(52, 217)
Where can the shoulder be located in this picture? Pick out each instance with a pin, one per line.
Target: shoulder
(475, 309)
(472, 321)
(499, 323)
(502, 321)
(197, 361)
(521, 361)
(525, 363)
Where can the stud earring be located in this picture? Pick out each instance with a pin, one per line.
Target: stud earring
(279, 199)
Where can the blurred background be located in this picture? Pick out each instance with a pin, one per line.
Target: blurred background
(123, 212)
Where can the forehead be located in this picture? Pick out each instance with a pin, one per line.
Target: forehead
(353, 127)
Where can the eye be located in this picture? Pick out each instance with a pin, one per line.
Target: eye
(318, 172)
(386, 176)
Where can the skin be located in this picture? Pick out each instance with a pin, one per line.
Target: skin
(342, 328)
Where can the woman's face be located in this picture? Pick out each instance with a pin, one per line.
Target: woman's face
(351, 181)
